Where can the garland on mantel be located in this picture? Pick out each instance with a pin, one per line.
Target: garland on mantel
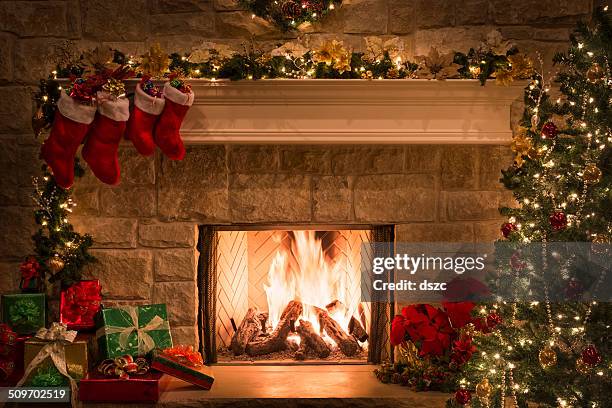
(290, 14)
(332, 59)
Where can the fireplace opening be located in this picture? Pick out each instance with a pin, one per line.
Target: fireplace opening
(279, 295)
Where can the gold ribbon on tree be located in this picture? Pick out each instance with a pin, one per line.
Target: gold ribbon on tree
(145, 341)
(57, 337)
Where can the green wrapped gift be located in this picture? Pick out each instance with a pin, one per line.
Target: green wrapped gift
(24, 312)
(134, 330)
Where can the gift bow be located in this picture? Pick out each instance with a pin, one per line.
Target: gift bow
(56, 337)
(145, 341)
(29, 270)
(23, 311)
(185, 355)
(82, 302)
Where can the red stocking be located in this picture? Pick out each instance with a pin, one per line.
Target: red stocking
(100, 150)
(145, 114)
(71, 123)
(167, 135)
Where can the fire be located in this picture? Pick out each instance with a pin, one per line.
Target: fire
(312, 279)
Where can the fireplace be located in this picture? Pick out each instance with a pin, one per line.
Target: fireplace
(290, 295)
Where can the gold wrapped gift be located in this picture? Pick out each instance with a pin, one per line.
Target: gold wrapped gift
(76, 355)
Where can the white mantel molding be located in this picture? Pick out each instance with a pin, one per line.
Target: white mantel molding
(350, 111)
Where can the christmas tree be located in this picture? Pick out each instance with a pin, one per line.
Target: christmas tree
(555, 353)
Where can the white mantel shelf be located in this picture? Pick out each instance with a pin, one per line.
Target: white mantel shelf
(350, 111)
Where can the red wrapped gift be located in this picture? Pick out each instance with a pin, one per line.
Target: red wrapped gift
(79, 304)
(185, 363)
(99, 388)
(11, 363)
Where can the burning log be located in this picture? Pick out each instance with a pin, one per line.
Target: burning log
(347, 344)
(311, 340)
(336, 306)
(247, 331)
(277, 341)
(356, 329)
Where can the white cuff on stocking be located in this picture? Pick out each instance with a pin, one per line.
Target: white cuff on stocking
(177, 96)
(74, 110)
(147, 103)
(116, 109)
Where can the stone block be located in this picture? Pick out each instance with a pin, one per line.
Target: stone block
(227, 5)
(35, 58)
(471, 12)
(395, 198)
(135, 168)
(123, 273)
(16, 230)
(201, 23)
(180, 299)
(167, 235)
(449, 39)
(517, 32)
(9, 277)
(526, 11)
(492, 160)
(7, 46)
(459, 167)
(196, 187)
(9, 163)
(423, 158)
(360, 160)
(402, 15)
(29, 165)
(87, 199)
(488, 231)
(15, 109)
(472, 205)
(365, 17)
(253, 159)
(434, 232)
(270, 197)
(552, 34)
(241, 24)
(179, 6)
(302, 159)
(434, 13)
(34, 19)
(115, 20)
(187, 335)
(108, 232)
(174, 265)
(127, 201)
(332, 198)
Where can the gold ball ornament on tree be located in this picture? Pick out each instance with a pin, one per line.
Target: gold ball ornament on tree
(547, 357)
(483, 389)
(591, 174)
(594, 74)
(56, 264)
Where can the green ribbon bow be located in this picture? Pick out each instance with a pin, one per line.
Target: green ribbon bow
(24, 311)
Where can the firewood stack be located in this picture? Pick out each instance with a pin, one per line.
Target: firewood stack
(252, 338)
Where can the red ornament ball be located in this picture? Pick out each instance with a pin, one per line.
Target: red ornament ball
(573, 290)
(507, 228)
(591, 356)
(558, 220)
(516, 262)
(549, 130)
(493, 319)
(463, 397)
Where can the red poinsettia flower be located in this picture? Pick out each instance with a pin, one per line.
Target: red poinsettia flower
(459, 313)
(462, 350)
(398, 330)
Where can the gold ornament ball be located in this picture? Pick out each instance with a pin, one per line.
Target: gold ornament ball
(547, 357)
(56, 264)
(591, 174)
(483, 389)
(594, 73)
(582, 367)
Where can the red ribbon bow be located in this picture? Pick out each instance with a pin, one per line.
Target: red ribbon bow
(29, 269)
(82, 301)
(185, 355)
